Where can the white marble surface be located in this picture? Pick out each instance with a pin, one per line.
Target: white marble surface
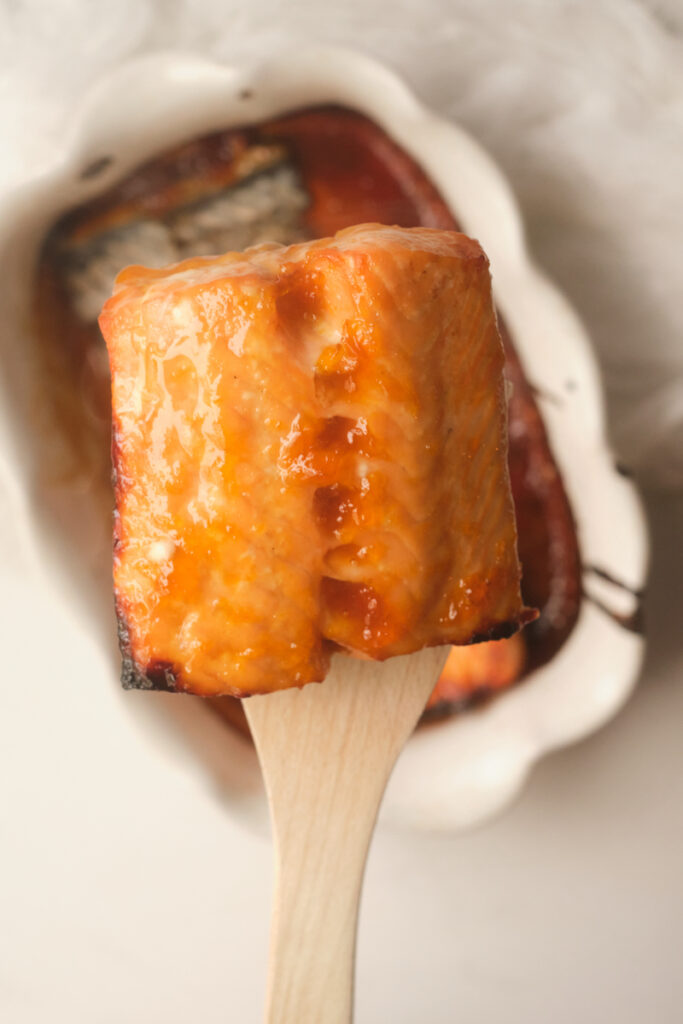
(569, 907)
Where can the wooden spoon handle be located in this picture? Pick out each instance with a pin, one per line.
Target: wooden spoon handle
(327, 752)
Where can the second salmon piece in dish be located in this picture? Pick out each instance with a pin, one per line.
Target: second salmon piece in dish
(310, 455)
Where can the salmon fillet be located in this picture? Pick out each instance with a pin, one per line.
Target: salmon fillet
(309, 447)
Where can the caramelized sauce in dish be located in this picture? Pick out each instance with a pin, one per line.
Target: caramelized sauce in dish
(304, 175)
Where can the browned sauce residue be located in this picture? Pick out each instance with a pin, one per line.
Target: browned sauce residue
(352, 172)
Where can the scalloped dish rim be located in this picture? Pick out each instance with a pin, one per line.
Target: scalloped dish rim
(460, 771)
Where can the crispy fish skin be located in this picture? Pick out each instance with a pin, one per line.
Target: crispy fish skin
(309, 447)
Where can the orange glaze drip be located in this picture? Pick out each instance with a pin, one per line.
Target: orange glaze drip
(478, 671)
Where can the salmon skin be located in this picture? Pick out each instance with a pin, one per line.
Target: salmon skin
(309, 448)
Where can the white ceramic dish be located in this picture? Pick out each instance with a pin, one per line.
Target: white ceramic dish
(458, 772)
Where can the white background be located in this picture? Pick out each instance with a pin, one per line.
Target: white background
(126, 891)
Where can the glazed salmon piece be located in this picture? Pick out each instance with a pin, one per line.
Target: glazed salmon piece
(309, 448)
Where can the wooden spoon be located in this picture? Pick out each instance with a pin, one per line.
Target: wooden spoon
(326, 752)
